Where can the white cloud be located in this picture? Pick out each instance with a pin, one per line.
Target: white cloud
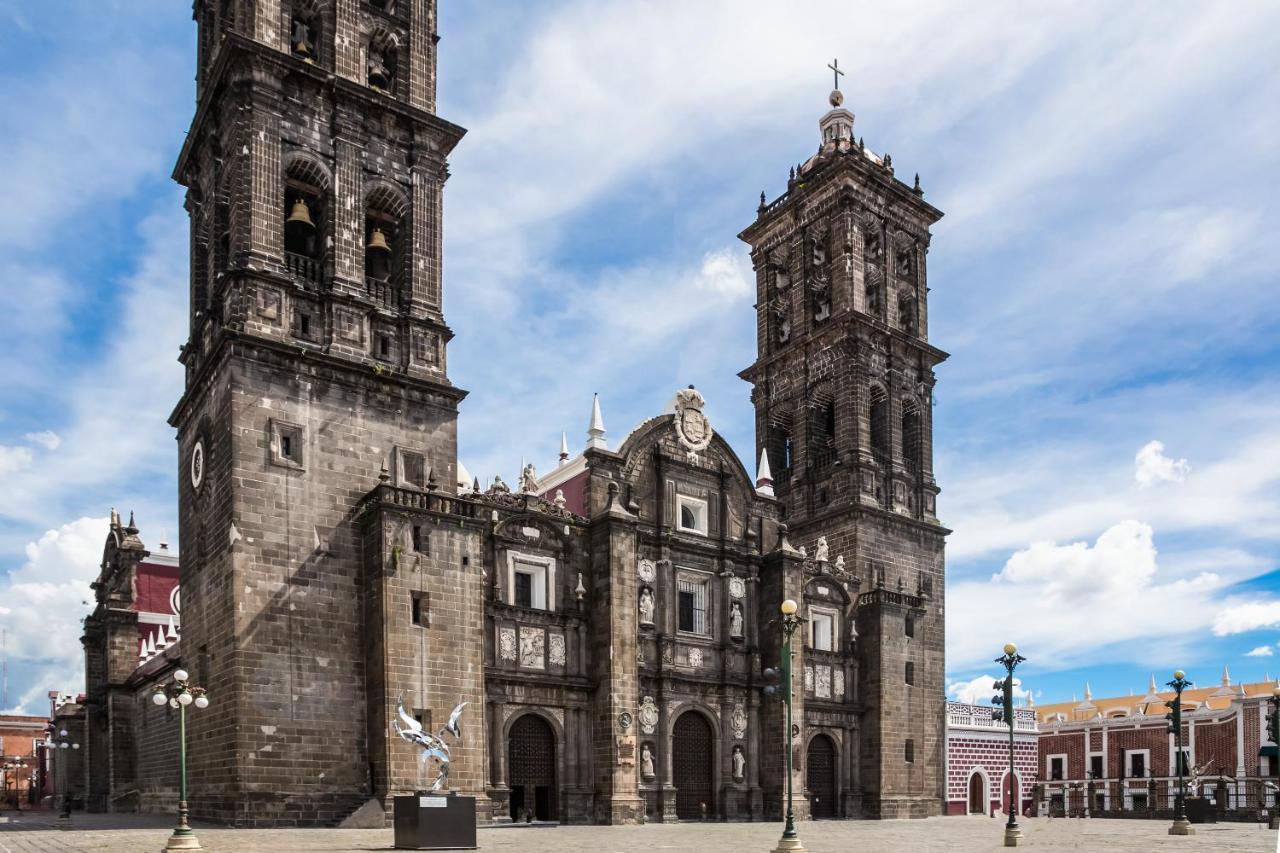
(1064, 603)
(45, 599)
(1241, 618)
(1151, 466)
(48, 439)
(979, 690)
(1259, 652)
(14, 459)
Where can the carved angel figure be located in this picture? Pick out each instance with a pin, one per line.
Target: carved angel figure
(433, 746)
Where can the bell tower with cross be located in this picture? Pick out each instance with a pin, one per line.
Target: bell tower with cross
(315, 369)
(843, 390)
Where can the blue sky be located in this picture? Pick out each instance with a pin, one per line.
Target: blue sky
(1107, 429)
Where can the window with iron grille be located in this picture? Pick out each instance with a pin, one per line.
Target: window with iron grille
(692, 605)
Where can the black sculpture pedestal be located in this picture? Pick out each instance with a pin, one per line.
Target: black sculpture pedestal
(435, 822)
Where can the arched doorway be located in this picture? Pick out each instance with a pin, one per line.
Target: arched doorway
(1009, 794)
(977, 794)
(820, 776)
(531, 769)
(692, 754)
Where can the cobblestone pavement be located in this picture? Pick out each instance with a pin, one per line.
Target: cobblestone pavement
(135, 834)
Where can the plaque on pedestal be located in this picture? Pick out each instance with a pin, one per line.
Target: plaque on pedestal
(432, 822)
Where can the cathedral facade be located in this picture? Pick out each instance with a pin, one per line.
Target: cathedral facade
(609, 623)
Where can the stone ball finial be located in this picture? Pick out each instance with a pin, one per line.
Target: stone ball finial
(836, 98)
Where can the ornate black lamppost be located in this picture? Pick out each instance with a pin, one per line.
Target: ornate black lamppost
(1004, 711)
(1273, 735)
(13, 769)
(790, 621)
(1181, 826)
(178, 695)
(63, 743)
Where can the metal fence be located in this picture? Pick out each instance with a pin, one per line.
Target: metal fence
(1210, 798)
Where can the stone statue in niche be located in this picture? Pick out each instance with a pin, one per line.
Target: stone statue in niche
(735, 619)
(646, 606)
(739, 764)
(646, 762)
(821, 551)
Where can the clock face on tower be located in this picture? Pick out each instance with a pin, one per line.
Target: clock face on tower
(197, 464)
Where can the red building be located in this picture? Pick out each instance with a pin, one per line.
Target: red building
(20, 738)
(1117, 755)
(978, 759)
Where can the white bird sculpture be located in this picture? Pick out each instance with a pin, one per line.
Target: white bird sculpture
(433, 746)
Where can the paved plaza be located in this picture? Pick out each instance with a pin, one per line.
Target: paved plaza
(137, 834)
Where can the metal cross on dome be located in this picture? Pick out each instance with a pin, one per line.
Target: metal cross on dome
(834, 65)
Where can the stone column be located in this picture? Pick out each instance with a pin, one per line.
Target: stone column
(616, 752)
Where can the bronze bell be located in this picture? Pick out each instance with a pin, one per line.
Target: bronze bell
(301, 48)
(377, 242)
(300, 214)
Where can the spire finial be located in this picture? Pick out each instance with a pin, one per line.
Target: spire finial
(564, 448)
(1226, 676)
(595, 430)
(764, 477)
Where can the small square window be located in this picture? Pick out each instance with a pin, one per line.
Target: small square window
(909, 752)
(909, 625)
(384, 346)
(419, 612)
(691, 515)
(304, 325)
(421, 540)
(911, 673)
(286, 444)
(413, 469)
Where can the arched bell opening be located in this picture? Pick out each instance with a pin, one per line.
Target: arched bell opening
(382, 62)
(306, 211)
(304, 31)
(909, 436)
(385, 236)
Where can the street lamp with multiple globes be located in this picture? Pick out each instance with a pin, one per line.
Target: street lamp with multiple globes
(1181, 826)
(1004, 702)
(178, 695)
(790, 621)
(64, 742)
(14, 769)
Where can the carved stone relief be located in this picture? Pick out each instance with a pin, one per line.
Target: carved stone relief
(648, 715)
(738, 721)
(822, 682)
(507, 643)
(555, 649)
(533, 648)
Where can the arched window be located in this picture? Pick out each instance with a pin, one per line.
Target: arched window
(879, 425)
(907, 312)
(305, 25)
(781, 447)
(306, 209)
(910, 436)
(383, 61)
(822, 428)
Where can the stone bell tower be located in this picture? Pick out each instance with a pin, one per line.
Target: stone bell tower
(314, 169)
(842, 388)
